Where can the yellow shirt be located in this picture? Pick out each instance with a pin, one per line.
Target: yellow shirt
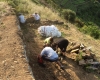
(47, 40)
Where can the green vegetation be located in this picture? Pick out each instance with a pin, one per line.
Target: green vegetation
(28, 7)
(79, 23)
(19, 5)
(63, 34)
(93, 31)
(85, 11)
(69, 15)
(79, 12)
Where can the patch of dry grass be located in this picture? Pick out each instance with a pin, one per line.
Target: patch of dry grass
(44, 12)
(27, 7)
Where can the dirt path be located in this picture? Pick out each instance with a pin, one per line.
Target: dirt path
(52, 71)
(13, 64)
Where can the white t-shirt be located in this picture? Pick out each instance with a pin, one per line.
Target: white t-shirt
(36, 16)
(22, 19)
(49, 53)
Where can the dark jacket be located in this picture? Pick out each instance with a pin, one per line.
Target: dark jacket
(62, 44)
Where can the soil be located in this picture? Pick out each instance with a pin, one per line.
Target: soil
(52, 71)
(13, 65)
(16, 66)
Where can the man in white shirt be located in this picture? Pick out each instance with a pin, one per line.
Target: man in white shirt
(50, 55)
(22, 18)
(36, 17)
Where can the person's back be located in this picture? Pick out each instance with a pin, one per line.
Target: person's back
(62, 42)
(22, 19)
(36, 16)
(49, 53)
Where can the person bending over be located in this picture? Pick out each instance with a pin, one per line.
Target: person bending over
(48, 41)
(62, 44)
(48, 54)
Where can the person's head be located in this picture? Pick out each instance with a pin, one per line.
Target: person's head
(51, 40)
(36, 13)
(20, 14)
(48, 45)
(54, 45)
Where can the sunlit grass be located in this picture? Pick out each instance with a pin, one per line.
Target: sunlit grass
(27, 7)
(44, 12)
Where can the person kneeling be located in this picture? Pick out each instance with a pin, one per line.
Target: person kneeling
(50, 55)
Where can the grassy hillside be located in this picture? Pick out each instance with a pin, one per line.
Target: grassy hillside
(27, 7)
(88, 11)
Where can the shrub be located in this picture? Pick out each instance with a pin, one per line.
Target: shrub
(79, 23)
(93, 31)
(69, 15)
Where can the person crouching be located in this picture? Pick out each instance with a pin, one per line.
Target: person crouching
(62, 44)
(48, 54)
(48, 41)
